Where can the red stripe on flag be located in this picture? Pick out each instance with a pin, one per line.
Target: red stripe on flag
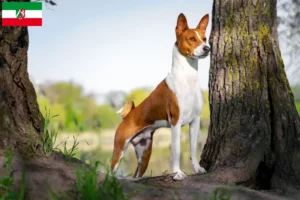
(22, 22)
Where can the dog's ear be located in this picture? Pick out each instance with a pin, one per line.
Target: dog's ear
(203, 22)
(126, 109)
(182, 25)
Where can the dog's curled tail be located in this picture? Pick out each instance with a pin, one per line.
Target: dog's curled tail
(126, 109)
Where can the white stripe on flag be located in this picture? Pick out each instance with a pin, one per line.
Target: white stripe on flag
(28, 14)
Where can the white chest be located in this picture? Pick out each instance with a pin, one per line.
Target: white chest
(188, 93)
(190, 105)
(183, 81)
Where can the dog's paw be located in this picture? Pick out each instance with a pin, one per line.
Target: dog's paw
(179, 175)
(198, 169)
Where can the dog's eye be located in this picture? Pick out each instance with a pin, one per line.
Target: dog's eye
(204, 39)
(193, 39)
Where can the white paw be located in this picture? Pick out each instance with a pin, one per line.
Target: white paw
(179, 175)
(198, 169)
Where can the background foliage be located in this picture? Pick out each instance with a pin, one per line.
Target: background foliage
(80, 112)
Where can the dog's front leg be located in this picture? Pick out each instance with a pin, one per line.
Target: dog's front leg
(176, 130)
(194, 131)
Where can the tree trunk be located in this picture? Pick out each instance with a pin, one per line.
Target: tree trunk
(254, 132)
(20, 117)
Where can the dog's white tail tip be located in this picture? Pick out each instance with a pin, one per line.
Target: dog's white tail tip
(119, 111)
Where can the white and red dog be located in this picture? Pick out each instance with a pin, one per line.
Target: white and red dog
(175, 102)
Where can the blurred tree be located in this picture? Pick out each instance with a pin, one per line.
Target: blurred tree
(116, 98)
(289, 33)
(106, 116)
(205, 110)
(296, 91)
(75, 110)
(138, 95)
(55, 109)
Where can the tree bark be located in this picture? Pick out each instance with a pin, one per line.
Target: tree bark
(254, 132)
(20, 118)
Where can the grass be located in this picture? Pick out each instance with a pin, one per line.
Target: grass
(88, 187)
(71, 152)
(217, 194)
(7, 191)
(49, 136)
(298, 107)
(220, 194)
(6, 181)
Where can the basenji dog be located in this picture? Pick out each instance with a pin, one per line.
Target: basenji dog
(175, 102)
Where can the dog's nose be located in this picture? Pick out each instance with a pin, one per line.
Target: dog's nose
(206, 48)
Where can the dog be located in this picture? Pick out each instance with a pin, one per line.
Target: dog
(175, 102)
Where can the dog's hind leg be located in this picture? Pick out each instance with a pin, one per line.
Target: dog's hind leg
(143, 151)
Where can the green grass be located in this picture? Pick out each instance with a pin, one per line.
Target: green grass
(220, 194)
(6, 181)
(47, 139)
(7, 191)
(298, 106)
(49, 135)
(71, 152)
(88, 187)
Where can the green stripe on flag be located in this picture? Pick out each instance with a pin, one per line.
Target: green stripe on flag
(24, 5)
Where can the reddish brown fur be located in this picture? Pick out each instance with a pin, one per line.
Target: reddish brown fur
(187, 39)
(145, 161)
(161, 104)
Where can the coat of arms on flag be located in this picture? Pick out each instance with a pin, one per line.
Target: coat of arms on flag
(21, 13)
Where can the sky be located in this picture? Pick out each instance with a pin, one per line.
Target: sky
(111, 45)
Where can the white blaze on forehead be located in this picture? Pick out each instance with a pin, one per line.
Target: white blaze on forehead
(199, 50)
(199, 36)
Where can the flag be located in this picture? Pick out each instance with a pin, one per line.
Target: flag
(21, 13)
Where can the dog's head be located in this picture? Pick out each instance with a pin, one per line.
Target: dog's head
(192, 42)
